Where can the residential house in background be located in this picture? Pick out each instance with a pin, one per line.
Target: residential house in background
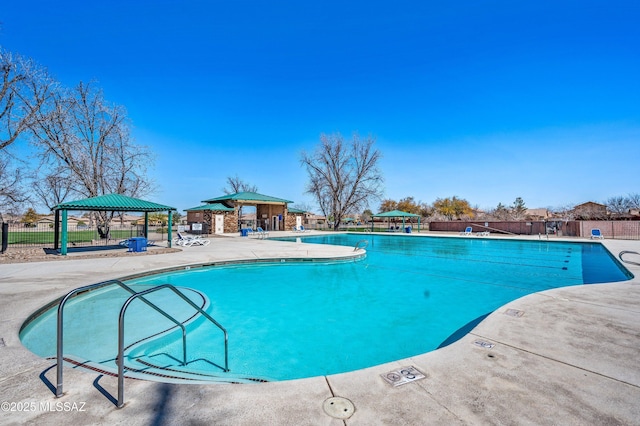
(590, 210)
(537, 214)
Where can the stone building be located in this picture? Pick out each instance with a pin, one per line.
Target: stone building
(222, 214)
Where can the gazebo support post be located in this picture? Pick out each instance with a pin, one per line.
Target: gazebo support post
(63, 243)
(56, 231)
(169, 226)
(146, 225)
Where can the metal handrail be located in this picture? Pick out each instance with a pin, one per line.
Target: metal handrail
(628, 261)
(364, 246)
(123, 310)
(60, 339)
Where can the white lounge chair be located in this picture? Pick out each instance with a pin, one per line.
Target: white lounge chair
(467, 231)
(262, 233)
(596, 234)
(190, 240)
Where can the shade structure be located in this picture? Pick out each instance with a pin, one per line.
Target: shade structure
(395, 214)
(107, 202)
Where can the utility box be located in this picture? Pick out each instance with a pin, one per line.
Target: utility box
(137, 244)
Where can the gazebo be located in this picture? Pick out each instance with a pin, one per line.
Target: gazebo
(110, 203)
(395, 214)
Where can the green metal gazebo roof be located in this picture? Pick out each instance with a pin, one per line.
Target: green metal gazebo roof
(249, 197)
(213, 207)
(396, 213)
(115, 203)
(294, 210)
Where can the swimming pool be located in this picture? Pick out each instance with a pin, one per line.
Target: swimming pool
(289, 320)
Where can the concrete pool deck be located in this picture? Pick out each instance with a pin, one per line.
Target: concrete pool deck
(563, 356)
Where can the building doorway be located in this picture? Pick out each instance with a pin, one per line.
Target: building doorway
(219, 225)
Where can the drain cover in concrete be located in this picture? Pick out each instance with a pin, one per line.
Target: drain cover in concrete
(514, 313)
(483, 344)
(403, 376)
(338, 407)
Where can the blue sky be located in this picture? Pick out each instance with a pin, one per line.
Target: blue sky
(485, 100)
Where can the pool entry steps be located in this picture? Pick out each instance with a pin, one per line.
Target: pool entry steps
(120, 358)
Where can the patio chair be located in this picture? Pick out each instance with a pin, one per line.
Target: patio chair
(596, 234)
(262, 233)
(467, 231)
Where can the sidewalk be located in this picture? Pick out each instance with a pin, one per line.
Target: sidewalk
(570, 358)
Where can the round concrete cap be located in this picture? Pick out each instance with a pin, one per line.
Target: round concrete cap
(338, 407)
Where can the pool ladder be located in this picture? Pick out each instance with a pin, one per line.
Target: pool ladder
(123, 310)
(628, 252)
(365, 244)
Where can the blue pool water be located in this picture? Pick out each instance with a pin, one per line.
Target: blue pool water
(291, 320)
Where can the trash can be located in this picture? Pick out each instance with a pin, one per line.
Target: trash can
(137, 244)
(244, 232)
(407, 229)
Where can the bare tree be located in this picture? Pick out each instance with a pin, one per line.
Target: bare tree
(81, 137)
(590, 212)
(566, 212)
(619, 206)
(53, 188)
(11, 191)
(305, 207)
(343, 176)
(235, 185)
(24, 88)
(634, 201)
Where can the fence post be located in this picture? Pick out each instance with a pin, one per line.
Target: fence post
(5, 236)
(613, 230)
